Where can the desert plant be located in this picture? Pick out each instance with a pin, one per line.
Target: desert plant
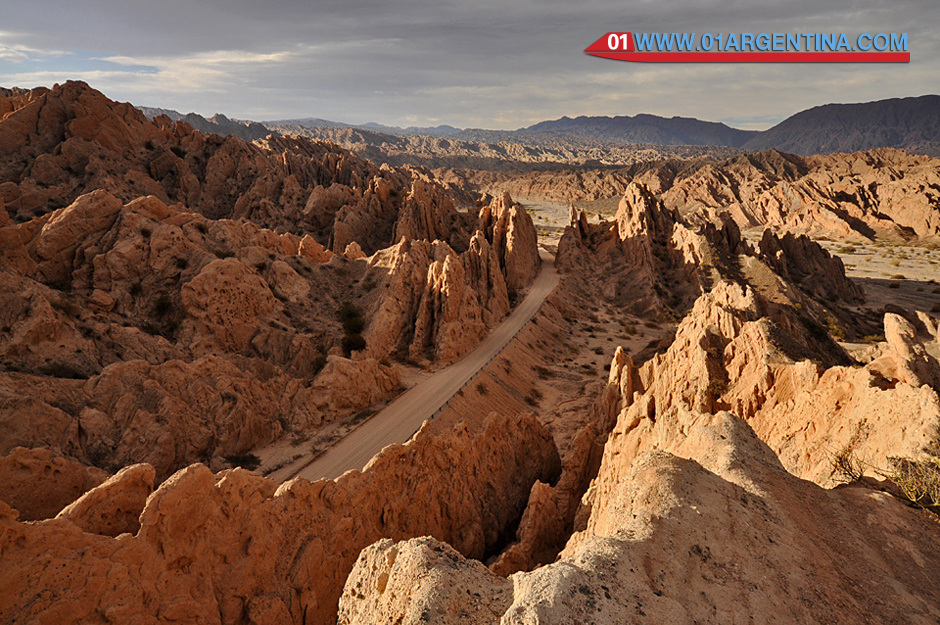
(354, 325)
(353, 343)
(918, 480)
(162, 306)
(347, 310)
(846, 466)
(245, 461)
(543, 372)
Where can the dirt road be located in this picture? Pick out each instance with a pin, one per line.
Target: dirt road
(398, 421)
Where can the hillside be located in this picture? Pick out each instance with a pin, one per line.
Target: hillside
(911, 124)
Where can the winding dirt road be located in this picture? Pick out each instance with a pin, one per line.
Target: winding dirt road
(398, 421)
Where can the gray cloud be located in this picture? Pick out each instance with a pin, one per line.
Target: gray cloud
(485, 64)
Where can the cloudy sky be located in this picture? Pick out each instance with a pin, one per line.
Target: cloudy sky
(480, 63)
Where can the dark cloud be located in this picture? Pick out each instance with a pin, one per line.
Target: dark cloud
(488, 63)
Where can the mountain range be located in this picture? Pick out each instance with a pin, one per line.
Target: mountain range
(911, 123)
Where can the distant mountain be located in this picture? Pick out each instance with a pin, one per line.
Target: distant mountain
(498, 155)
(912, 124)
(307, 122)
(218, 123)
(410, 131)
(424, 131)
(649, 129)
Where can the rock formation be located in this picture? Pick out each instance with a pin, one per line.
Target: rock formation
(113, 507)
(39, 483)
(436, 303)
(509, 229)
(698, 514)
(651, 260)
(61, 143)
(235, 547)
(142, 300)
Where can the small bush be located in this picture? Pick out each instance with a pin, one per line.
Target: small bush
(347, 310)
(162, 306)
(832, 325)
(244, 461)
(481, 388)
(354, 325)
(918, 480)
(353, 343)
(846, 466)
(542, 372)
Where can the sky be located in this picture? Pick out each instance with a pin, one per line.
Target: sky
(500, 64)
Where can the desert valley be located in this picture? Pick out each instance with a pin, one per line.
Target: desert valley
(613, 370)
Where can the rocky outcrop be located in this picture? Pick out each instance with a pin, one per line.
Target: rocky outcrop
(906, 359)
(419, 580)
(737, 351)
(673, 537)
(233, 547)
(436, 304)
(61, 143)
(39, 483)
(226, 302)
(799, 260)
(880, 193)
(147, 299)
(509, 229)
(113, 507)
